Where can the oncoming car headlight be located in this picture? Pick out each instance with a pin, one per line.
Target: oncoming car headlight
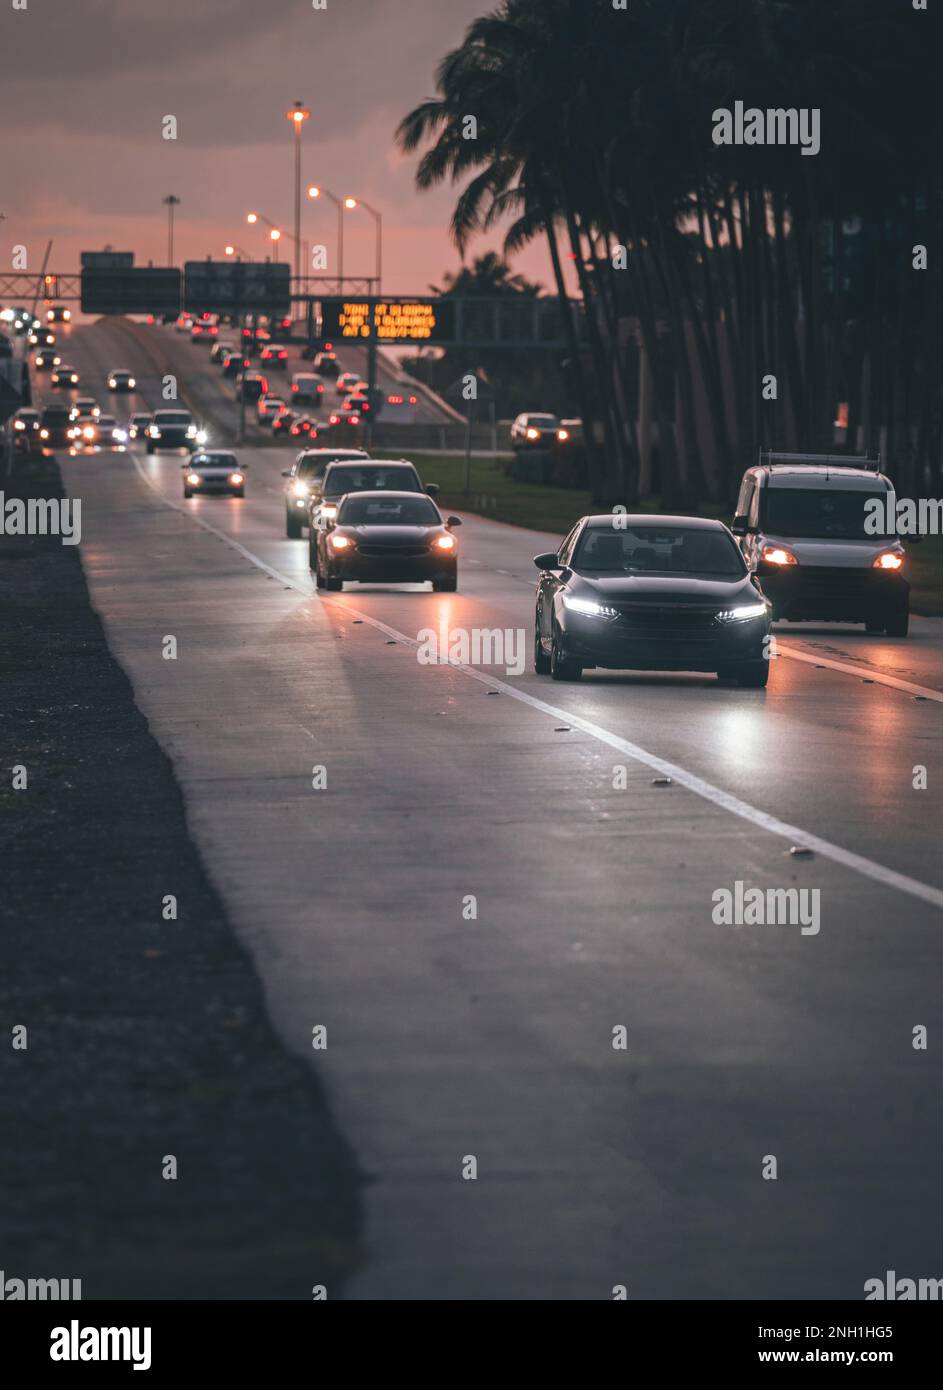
(589, 608)
(236, 478)
(193, 479)
(299, 488)
(743, 613)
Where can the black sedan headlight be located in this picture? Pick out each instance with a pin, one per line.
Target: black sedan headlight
(589, 608)
(743, 613)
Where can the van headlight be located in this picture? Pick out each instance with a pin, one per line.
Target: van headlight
(743, 613)
(778, 555)
(201, 436)
(299, 488)
(589, 608)
(191, 432)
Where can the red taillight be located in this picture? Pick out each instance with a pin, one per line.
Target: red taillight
(412, 400)
(295, 387)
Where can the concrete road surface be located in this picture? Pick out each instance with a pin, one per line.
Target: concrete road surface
(493, 884)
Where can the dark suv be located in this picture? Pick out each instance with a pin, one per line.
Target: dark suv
(305, 474)
(173, 429)
(370, 475)
(54, 426)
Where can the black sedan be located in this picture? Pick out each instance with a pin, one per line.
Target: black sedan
(387, 538)
(650, 593)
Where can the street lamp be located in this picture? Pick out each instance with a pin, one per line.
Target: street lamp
(275, 237)
(233, 250)
(256, 217)
(298, 115)
(352, 203)
(170, 202)
(315, 192)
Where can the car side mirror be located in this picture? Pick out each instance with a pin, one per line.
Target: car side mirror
(453, 521)
(432, 489)
(186, 465)
(286, 472)
(739, 525)
(550, 560)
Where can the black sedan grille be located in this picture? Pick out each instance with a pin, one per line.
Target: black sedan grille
(392, 552)
(675, 617)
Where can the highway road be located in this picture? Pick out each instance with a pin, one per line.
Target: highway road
(454, 1036)
(191, 361)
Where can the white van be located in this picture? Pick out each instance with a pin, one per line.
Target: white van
(800, 523)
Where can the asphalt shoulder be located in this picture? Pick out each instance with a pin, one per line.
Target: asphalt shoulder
(146, 1038)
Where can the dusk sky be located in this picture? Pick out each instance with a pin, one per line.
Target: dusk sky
(88, 82)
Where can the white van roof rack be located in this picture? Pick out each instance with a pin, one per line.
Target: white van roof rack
(770, 458)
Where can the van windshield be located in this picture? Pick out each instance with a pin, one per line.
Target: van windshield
(818, 513)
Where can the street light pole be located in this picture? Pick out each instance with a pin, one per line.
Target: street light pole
(315, 192)
(378, 219)
(298, 115)
(171, 201)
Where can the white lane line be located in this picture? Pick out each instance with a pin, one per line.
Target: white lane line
(872, 673)
(858, 863)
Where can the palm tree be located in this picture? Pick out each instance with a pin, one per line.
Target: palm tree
(594, 130)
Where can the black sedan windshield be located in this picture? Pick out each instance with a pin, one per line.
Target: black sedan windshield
(388, 511)
(658, 550)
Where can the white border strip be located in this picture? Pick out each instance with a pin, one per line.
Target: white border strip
(868, 673)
